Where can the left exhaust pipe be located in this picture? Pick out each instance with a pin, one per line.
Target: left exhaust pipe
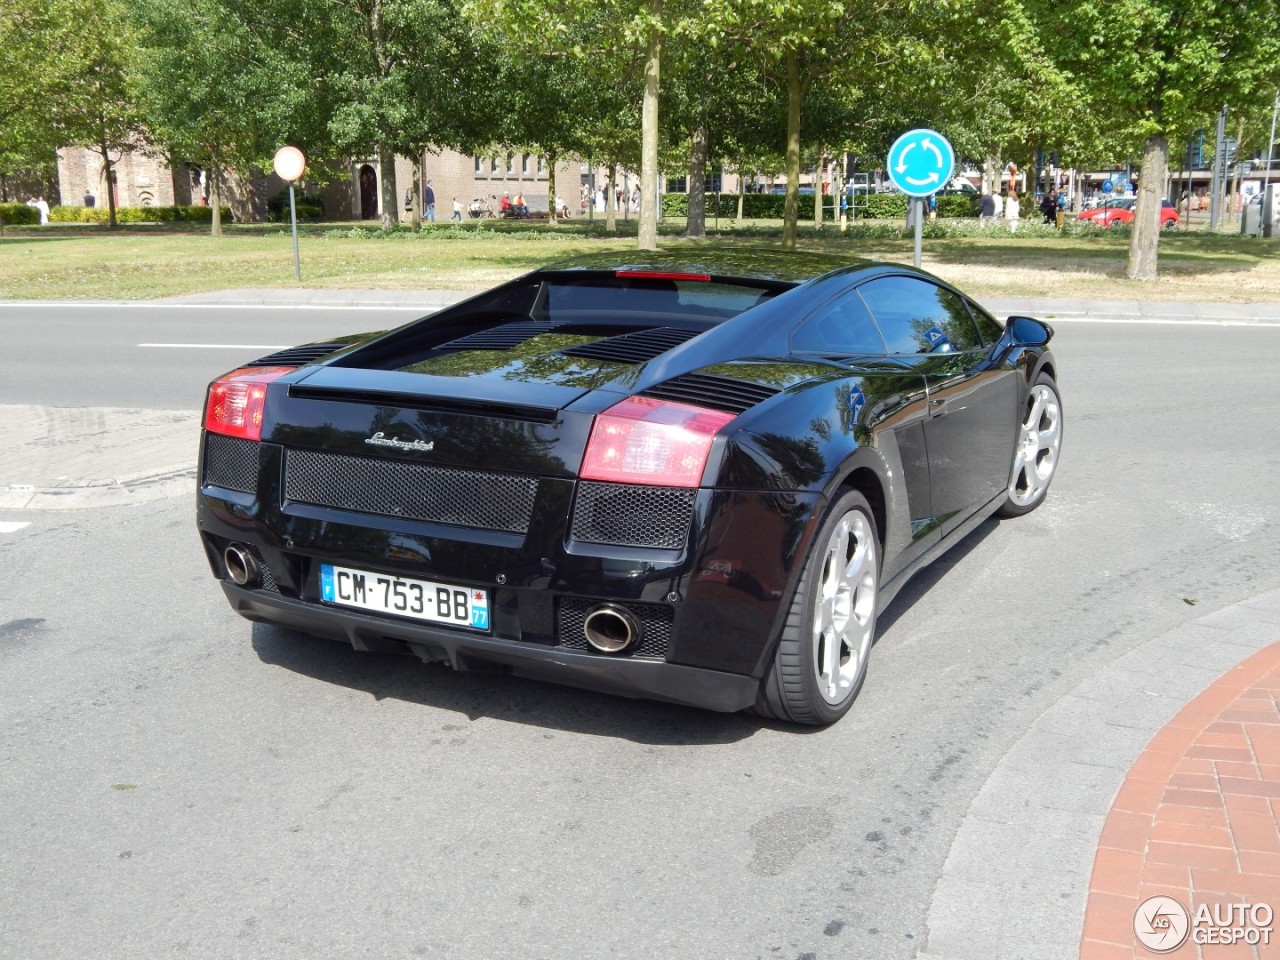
(241, 567)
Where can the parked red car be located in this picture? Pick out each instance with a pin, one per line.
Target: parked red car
(1119, 213)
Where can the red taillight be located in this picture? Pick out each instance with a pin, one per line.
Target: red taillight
(652, 441)
(236, 401)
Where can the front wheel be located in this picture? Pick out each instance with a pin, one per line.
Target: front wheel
(821, 660)
(1035, 455)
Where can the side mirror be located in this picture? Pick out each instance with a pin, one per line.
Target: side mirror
(1027, 331)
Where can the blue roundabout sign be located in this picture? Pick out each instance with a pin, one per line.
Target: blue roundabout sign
(921, 162)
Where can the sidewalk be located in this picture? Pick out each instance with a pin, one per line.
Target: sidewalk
(1196, 820)
(1158, 776)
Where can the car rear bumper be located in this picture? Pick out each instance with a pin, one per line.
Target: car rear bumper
(620, 675)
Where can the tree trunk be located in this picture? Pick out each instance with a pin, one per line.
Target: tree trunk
(991, 172)
(648, 228)
(387, 185)
(611, 198)
(742, 191)
(415, 215)
(791, 211)
(1145, 239)
(551, 189)
(817, 190)
(696, 229)
(107, 167)
(214, 175)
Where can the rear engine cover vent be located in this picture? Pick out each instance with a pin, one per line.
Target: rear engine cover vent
(500, 338)
(633, 347)
(299, 356)
(718, 393)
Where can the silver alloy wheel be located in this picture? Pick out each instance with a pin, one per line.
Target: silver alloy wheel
(844, 616)
(1036, 455)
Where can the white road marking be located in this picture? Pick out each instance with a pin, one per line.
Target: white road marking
(12, 526)
(1050, 318)
(150, 304)
(216, 346)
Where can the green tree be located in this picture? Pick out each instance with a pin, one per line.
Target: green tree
(1153, 71)
(215, 83)
(634, 30)
(102, 111)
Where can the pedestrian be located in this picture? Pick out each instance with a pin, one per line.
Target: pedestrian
(1011, 211)
(457, 209)
(429, 204)
(89, 199)
(987, 208)
(521, 208)
(43, 207)
(1049, 206)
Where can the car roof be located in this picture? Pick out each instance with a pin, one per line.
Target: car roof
(746, 263)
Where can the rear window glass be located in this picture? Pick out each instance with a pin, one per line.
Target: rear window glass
(665, 297)
(600, 298)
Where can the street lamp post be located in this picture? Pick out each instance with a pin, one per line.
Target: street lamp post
(290, 165)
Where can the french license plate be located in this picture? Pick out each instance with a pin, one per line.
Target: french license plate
(405, 597)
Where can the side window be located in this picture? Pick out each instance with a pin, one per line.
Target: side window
(988, 326)
(841, 328)
(917, 316)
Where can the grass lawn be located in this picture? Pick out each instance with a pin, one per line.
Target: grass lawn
(144, 261)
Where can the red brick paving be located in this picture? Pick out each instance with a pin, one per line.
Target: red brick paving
(1196, 819)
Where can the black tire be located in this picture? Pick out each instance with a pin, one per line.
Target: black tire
(792, 689)
(1029, 479)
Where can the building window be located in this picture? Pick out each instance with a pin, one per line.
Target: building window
(524, 165)
(678, 185)
(479, 167)
(495, 165)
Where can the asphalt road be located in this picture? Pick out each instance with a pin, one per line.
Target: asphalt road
(153, 355)
(175, 781)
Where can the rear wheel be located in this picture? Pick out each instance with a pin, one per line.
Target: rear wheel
(1035, 455)
(822, 654)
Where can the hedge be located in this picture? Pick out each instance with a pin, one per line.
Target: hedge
(191, 213)
(770, 206)
(18, 214)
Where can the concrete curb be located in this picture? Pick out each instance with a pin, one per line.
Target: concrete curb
(70, 458)
(1016, 881)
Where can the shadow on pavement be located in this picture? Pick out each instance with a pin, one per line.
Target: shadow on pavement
(501, 696)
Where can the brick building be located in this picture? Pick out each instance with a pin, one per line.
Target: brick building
(143, 180)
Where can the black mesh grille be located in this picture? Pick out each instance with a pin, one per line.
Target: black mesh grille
(632, 347)
(465, 498)
(298, 356)
(655, 626)
(718, 393)
(230, 462)
(632, 515)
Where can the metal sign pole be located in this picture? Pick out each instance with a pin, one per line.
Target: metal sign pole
(919, 202)
(293, 219)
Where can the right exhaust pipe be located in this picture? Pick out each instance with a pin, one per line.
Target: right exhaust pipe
(241, 567)
(611, 629)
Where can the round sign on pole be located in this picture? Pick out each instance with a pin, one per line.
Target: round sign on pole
(921, 162)
(289, 163)
(1107, 186)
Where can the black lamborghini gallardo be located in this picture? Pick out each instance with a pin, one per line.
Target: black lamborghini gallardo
(690, 477)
